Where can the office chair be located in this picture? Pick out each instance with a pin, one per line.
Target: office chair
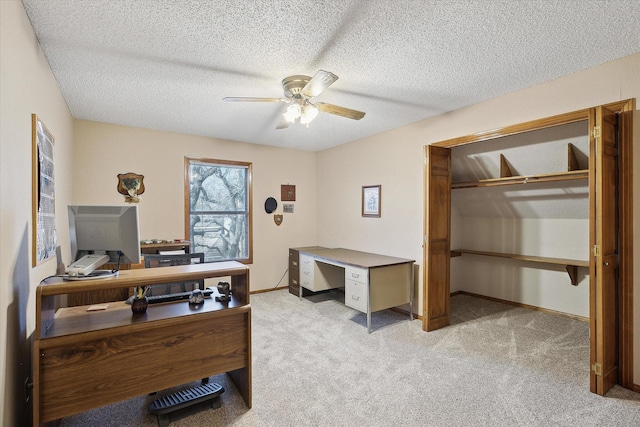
(152, 261)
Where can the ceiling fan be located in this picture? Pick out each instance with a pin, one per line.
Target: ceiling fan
(299, 91)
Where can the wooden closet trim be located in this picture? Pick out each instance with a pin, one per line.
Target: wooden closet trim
(533, 125)
(624, 109)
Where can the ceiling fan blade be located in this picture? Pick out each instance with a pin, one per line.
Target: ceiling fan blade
(249, 99)
(339, 111)
(320, 81)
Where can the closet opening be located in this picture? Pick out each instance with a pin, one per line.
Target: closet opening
(537, 214)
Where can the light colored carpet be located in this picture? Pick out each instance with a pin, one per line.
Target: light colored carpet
(315, 365)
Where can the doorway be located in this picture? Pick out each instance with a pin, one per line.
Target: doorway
(611, 284)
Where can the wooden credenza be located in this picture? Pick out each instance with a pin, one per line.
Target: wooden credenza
(155, 248)
(103, 295)
(86, 359)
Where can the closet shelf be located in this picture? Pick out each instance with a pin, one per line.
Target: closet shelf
(571, 265)
(524, 179)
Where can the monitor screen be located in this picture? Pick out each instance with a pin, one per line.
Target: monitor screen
(110, 230)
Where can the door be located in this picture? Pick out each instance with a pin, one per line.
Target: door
(437, 238)
(605, 250)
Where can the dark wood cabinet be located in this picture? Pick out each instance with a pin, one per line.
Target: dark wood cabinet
(294, 272)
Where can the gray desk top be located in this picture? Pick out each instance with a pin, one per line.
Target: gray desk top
(351, 257)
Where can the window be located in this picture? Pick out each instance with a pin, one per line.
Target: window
(218, 209)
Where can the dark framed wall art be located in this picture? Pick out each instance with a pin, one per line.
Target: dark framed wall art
(44, 239)
(288, 193)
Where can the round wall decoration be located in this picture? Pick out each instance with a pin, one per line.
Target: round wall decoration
(270, 205)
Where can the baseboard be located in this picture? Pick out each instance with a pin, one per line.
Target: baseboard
(519, 304)
(471, 294)
(261, 291)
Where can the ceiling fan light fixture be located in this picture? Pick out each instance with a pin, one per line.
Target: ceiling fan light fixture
(299, 90)
(309, 112)
(292, 113)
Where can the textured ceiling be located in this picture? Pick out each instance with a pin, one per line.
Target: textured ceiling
(167, 65)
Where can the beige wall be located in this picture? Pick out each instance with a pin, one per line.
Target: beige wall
(26, 86)
(89, 156)
(86, 173)
(104, 150)
(395, 160)
(544, 286)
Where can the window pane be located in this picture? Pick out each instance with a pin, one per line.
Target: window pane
(217, 188)
(220, 237)
(219, 209)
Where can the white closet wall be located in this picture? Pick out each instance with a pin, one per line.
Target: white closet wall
(541, 219)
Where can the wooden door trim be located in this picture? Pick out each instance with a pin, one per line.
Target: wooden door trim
(533, 125)
(437, 239)
(625, 109)
(605, 262)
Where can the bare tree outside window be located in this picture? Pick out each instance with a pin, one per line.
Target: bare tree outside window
(219, 208)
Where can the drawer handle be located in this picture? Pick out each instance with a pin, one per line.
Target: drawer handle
(355, 297)
(294, 263)
(356, 275)
(295, 282)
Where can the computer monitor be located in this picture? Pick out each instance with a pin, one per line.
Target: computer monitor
(101, 234)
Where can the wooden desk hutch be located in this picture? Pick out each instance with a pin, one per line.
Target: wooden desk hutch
(86, 359)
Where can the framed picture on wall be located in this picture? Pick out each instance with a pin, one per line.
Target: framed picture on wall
(288, 193)
(43, 193)
(371, 201)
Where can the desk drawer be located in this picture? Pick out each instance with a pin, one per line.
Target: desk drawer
(306, 273)
(306, 267)
(294, 281)
(356, 274)
(355, 295)
(294, 258)
(305, 282)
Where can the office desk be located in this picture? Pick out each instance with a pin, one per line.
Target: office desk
(86, 359)
(371, 282)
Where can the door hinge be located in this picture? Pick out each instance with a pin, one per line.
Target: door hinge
(596, 132)
(595, 250)
(597, 369)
